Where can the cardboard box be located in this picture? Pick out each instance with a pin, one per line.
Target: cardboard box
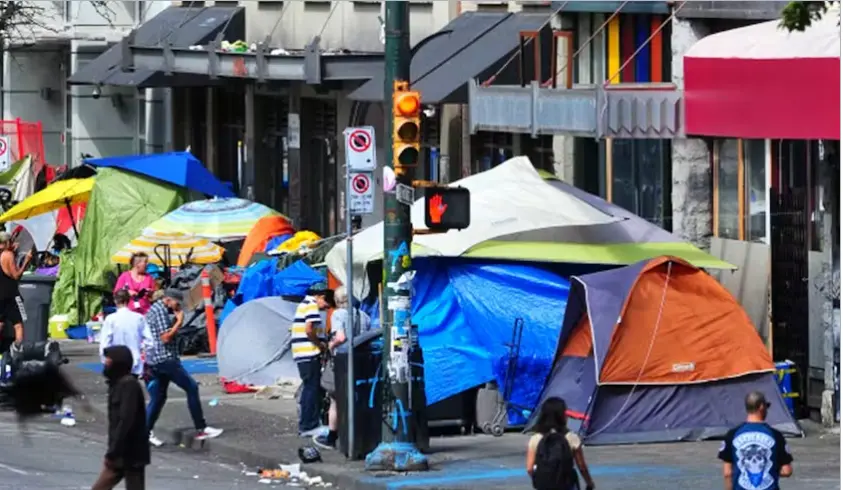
(193, 299)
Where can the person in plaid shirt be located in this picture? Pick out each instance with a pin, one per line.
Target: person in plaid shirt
(164, 366)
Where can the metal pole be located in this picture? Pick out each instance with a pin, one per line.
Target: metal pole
(349, 289)
(402, 363)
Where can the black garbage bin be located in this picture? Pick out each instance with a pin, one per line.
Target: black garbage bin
(368, 393)
(37, 293)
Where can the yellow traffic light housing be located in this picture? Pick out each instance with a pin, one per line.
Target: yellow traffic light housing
(406, 126)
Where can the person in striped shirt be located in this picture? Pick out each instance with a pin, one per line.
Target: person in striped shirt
(308, 343)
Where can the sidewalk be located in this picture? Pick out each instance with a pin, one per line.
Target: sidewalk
(262, 433)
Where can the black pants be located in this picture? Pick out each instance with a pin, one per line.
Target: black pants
(111, 477)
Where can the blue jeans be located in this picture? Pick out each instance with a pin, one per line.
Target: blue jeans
(159, 383)
(310, 401)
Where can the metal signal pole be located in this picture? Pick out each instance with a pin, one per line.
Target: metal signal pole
(402, 373)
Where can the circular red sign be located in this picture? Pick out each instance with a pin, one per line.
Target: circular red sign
(359, 141)
(3, 146)
(360, 183)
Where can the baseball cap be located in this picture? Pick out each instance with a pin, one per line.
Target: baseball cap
(175, 294)
(755, 401)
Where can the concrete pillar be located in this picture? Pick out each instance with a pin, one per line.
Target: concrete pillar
(247, 186)
(830, 287)
(449, 113)
(154, 123)
(691, 193)
(294, 156)
(210, 130)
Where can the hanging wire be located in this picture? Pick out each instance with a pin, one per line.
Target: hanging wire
(278, 20)
(634, 54)
(617, 11)
(517, 52)
(328, 19)
(646, 357)
(646, 43)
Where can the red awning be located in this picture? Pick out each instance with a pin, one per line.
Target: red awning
(763, 82)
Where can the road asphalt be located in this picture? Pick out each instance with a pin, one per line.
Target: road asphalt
(49, 458)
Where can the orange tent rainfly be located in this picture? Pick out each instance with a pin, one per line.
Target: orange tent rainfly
(264, 230)
(659, 351)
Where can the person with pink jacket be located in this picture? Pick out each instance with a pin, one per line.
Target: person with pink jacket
(138, 283)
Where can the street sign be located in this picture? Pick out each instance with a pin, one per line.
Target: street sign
(361, 193)
(360, 149)
(405, 194)
(447, 208)
(5, 154)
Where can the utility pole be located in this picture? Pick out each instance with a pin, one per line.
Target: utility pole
(402, 374)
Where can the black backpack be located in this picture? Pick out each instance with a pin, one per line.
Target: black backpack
(554, 464)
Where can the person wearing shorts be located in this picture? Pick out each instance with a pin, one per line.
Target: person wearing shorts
(12, 311)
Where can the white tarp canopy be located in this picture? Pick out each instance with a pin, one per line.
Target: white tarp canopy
(768, 41)
(253, 347)
(510, 198)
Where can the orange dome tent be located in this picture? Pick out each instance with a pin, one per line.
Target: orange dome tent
(264, 230)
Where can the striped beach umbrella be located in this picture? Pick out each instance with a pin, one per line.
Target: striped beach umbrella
(219, 219)
(175, 249)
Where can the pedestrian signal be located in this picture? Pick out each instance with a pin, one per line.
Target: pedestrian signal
(406, 125)
(447, 208)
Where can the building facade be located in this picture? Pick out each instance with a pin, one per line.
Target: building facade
(76, 119)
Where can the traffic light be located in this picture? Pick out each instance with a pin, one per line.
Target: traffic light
(447, 208)
(406, 126)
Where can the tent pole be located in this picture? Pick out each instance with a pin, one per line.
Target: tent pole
(72, 221)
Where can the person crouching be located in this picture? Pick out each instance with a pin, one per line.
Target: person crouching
(128, 450)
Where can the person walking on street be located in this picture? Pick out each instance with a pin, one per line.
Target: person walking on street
(754, 454)
(342, 329)
(164, 365)
(553, 450)
(128, 452)
(308, 345)
(11, 303)
(125, 327)
(137, 282)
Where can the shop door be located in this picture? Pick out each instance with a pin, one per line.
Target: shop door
(789, 268)
(319, 166)
(272, 166)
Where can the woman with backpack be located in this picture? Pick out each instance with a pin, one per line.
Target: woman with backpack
(553, 450)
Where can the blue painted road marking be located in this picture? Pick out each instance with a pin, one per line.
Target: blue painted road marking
(457, 477)
(192, 366)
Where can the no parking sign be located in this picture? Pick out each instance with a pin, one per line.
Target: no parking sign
(361, 193)
(5, 154)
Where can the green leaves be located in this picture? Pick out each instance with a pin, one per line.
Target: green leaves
(798, 16)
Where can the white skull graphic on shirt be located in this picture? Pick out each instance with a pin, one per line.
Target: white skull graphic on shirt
(754, 451)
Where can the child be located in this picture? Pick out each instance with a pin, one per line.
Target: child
(553, 450)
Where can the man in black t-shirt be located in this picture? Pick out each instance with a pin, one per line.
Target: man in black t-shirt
(754, 454)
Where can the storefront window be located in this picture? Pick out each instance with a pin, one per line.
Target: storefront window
(640, 169)
(727, 191)
(755, 160)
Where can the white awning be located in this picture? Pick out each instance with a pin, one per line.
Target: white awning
(769, 41)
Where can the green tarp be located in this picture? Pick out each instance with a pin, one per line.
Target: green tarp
(121, 206)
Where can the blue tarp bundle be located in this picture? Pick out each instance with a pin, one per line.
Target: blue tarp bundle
(466, 312)
(264, 279)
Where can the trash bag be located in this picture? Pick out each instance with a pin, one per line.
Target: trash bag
(36, 385)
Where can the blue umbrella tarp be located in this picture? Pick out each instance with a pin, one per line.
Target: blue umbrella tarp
(180, 168)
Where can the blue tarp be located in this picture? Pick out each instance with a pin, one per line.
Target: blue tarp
(180, 168)
(263, 279)
(466, 311)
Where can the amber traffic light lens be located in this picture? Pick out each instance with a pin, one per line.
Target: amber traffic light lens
(408, 156)
(409, 131)
(407, 105)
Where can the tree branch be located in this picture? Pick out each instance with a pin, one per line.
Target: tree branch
(798, 16)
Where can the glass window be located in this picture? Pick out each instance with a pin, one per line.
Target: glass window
(640, 169)
(755, 164)
(727, 190)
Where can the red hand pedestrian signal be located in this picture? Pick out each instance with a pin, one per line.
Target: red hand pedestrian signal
(447, 208)
(436, 209)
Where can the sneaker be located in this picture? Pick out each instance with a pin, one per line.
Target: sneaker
(317, 431)
(208, 433)
(323, 441)
(155, 441)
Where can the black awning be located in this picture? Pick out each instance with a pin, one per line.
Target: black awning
(472, 45)
(181, 27)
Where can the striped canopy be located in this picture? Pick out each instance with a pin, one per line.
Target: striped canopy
(215, 219)
(181, 248)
